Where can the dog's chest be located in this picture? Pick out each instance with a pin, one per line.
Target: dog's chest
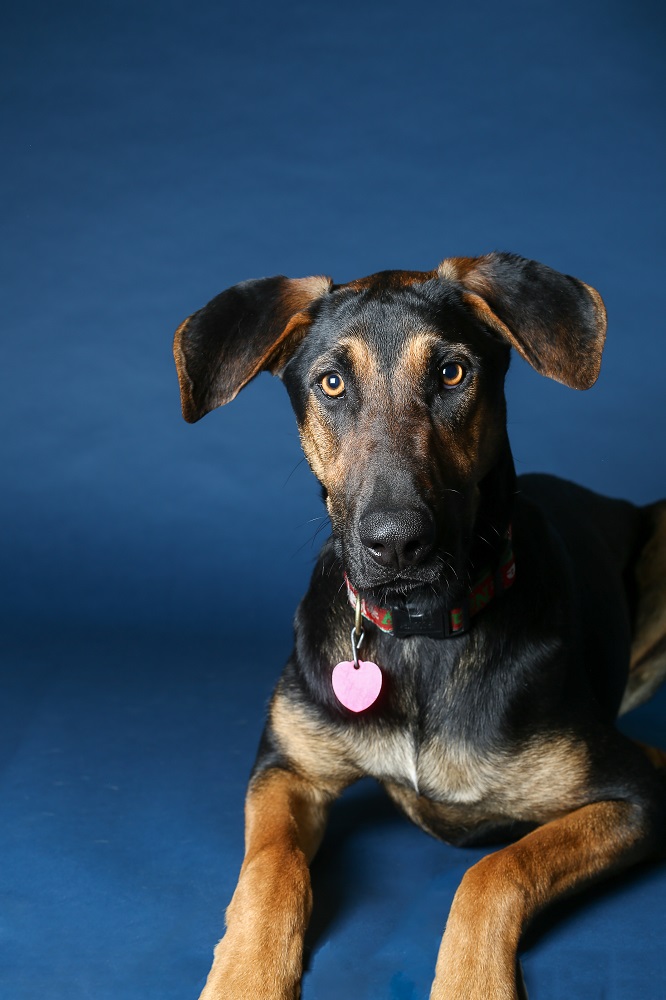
(433, 749)
(435, 768)
(440, 732)
(524, 781)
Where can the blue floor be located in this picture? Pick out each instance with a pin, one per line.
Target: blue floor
(123, 773)
(154, 154)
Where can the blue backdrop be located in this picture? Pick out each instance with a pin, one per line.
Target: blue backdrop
(154, 154)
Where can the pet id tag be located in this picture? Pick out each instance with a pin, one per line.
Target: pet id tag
(357, 683)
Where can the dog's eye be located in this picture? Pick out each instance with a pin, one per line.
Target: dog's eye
(333, 385)
(452, 374)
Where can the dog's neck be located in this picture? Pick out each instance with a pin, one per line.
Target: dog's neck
(407, 618)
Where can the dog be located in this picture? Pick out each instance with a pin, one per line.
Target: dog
(469, 637)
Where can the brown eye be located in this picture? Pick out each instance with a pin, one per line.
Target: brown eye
(333, 384)
(452, 374)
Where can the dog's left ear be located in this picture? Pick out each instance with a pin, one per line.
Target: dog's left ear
(556, 322)
(252, 327)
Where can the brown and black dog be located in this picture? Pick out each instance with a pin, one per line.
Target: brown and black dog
(485, 706)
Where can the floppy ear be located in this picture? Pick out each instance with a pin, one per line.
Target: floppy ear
(252, 327)
(556, 322)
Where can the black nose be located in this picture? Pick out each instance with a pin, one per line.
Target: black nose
(398, 538)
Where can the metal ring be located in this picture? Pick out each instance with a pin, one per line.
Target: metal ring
(358, 617)
(356, 644)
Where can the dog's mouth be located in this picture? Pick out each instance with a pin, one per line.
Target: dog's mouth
(426, 595)
(432, 584)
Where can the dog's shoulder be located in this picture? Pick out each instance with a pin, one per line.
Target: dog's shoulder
(592, 522)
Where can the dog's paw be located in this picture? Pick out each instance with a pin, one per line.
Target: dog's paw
(474, 985)
(247, 986)
(242, 972)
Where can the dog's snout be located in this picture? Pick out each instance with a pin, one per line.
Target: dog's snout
(398, 538)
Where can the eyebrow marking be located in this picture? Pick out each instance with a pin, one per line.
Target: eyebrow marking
(355, 351)
(362, 358)
(415, 357)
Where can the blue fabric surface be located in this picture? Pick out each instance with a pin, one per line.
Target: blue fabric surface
(154, 154)
(124, 763)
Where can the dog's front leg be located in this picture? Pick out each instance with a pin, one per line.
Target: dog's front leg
(261, 955)
(498, 896)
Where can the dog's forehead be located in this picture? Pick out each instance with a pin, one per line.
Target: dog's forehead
(387, 314)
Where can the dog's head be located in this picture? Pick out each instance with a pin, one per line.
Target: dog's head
(397, 381)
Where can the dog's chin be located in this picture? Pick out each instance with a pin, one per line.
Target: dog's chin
(425, 596)
(427, 591)
(428, 585)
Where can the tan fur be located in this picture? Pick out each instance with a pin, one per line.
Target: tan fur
(501, 893)
(329, 458)
(291, 806)
(302, 292)
(318, 442)
(396, 280)
(184, 380)
(448, 270)
(463, 270)
(534, 783)
(412, 367)
(545, 777)
(362, 359)
(485, 314)
(544, 782)
(648, 652)
(414, 360)
(312, 747)
(285, 817)
(599, 309)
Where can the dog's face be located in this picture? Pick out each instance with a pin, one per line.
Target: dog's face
(398, 393)
(397, 382)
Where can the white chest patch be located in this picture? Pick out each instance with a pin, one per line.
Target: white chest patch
(394, 757)
(530, 778)
(451, 773)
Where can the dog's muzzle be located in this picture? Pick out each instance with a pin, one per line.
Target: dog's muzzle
(398, 540)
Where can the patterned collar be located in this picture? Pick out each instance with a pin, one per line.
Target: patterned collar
(405, 619)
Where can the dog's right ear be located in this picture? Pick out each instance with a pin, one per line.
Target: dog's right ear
(252, 327)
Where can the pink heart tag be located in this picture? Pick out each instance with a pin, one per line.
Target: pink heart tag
(357, 688)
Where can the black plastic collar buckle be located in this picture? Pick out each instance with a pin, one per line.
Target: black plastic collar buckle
(408, 620)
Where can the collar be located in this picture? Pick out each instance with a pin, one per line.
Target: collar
(406, 619)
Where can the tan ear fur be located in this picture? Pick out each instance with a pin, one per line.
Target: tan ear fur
(252, 327)
(556, 322)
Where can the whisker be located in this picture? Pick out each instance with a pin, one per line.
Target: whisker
(320, 527)
(310, 541)
(311, 519)
(299, 463)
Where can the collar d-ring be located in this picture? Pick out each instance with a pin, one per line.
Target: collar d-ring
(357, 632)
(358, 620)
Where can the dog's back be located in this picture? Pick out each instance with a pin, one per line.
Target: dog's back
(613, 545)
